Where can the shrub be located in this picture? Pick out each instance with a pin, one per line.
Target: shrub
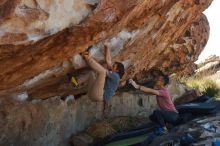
(206, 86)
(212, 91)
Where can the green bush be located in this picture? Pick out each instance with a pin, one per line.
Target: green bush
(212, 91)
(206, 86)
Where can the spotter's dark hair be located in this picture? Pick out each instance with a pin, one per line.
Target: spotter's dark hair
(165, 79)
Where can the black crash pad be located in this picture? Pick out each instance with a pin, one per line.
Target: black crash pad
(199, 108)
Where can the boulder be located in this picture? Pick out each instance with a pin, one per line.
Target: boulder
(51, 122)
(41, 40)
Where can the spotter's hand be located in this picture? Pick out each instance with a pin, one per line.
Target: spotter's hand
(134, 84)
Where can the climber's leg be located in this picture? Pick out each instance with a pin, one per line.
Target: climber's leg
(98, 68)
(96, 86)
(97, 81)
(106, 109)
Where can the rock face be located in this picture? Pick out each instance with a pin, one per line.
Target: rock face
(51, 122)
(38, 36)
(210, 69)
(30, 20)
(209, 66)
(40, 42)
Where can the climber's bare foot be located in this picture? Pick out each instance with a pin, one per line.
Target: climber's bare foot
(105, 44)
(85, 54)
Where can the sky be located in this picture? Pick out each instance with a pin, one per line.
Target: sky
(213, 45)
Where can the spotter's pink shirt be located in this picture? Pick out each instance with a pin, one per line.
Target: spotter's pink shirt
(164, 101)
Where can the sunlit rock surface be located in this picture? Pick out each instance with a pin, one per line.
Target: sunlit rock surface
(210, 69)
(209, 66)
(167, 35)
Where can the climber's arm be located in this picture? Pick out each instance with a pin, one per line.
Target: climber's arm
(108, 58)
(148, 90)
(142, 88)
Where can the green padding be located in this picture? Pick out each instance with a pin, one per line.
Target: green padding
(129, 141)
